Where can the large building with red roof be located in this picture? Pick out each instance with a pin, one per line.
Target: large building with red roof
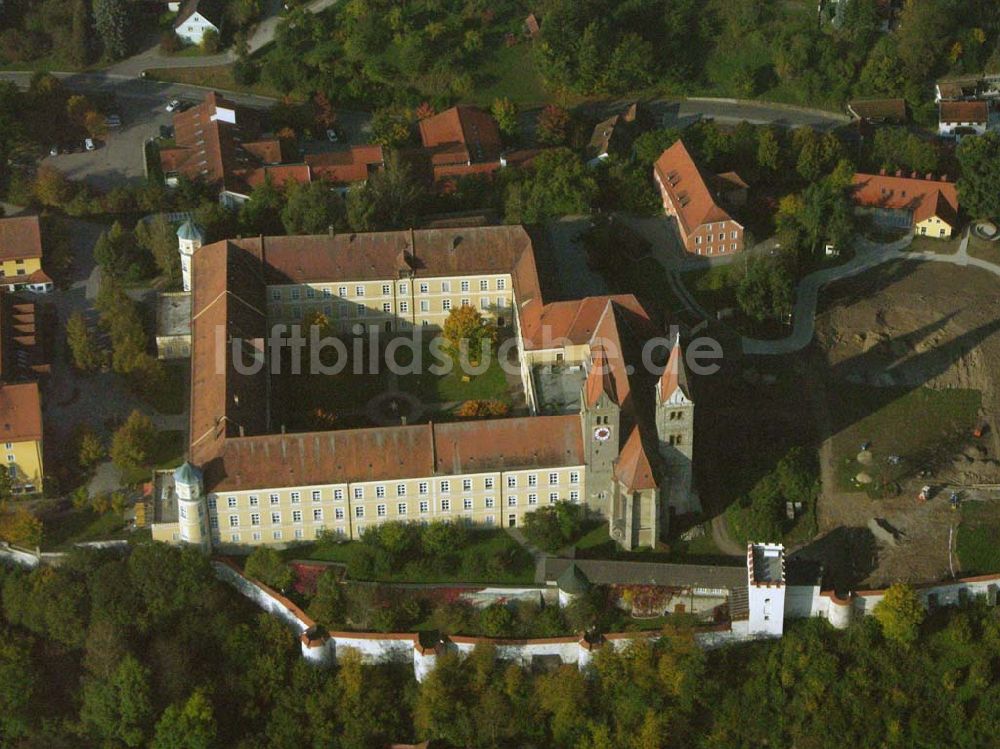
(221, 143)
(926, 206)
(694, 198)
(623, 448)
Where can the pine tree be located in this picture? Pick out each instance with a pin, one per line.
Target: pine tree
(79, 44)
(113, 21)
(87, 355)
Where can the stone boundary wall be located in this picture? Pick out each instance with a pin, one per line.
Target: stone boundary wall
(323, 648)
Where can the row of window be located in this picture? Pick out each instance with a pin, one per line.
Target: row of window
(363, 310)
(722, 248)
(423, 488)
(500, 284)
(722, 237)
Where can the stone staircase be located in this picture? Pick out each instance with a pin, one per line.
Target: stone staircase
(739, 604)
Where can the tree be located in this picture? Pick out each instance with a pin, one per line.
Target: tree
(551, 528)
(765, 290)
(91, 450)
(261, 214)
(390, 128)
(388, 200)
(496, 620)
(553, 125)
(210, 41)
(900, 613)
(188, 726)
(20, 526)
(18, 684)
(468, 333)
(312, 208)
(87, 354)
(95, 124)
(504, 111)
(118, 253)
(557, 184)
(158, 237)
(979, 162)
(51, 186)
(266, 565)
(120, 708)
(328, 606)
(132, 443)
(768, 150)
(441, 538)
(113, 21)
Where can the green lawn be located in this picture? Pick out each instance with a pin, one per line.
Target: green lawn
(597, 544)
(172, 397)
(216, 77)
(978, 550)
(76, 526)
(937, 246)
(452, 387)
(510, 73)
(712, 287)
(919, 425)
(168, 452)
(984, 250)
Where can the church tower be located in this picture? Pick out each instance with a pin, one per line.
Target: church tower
(675, 433)
(600, 415)
(189, 238)
(192, 515)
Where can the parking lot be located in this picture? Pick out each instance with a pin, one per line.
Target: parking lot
(118, 157)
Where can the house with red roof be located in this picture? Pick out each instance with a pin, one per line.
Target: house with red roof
(957, 119)
(694, 198)
(927, 206)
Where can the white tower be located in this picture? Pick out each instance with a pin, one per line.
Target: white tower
(192, 515)
(766, 589)
(189, 238)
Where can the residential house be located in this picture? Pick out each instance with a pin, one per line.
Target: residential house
(21, 255)
(21, 435)
(957, 119)
(616, 134)
(532, 26)
(928, 206)
(195, 18)
(878, 111)
(694, 197)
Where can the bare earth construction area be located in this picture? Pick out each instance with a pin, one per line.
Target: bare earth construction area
(911, 352)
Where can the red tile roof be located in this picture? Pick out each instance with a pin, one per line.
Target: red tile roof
(346, 165)
(20, 238)
(964, 111)
(879, 109)
(924, 198)
(461, 135)
(20, 412)
(688, 188)
(633, 468)
(599, 379)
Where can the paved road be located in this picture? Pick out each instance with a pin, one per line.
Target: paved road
(868, 255)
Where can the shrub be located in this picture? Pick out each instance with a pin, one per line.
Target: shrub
(496, 620)
(267, 566)
(551, 528)
(210, 42)
(169, 42)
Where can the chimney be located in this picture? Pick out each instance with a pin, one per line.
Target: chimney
(881, 172)
(913, 175)
(330, 230)
(928, 176)
(899, 172)
(944, 177)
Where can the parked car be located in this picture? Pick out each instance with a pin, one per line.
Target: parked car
(89, 144)
(113, 121)
(54, 151)
(173, 105)
(331, 135)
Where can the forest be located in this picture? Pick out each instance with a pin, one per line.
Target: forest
(150, 650)
(383, 53)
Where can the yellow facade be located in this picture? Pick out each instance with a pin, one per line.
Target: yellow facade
(24, 460)
(23, 267)
(276, 516)
(392, 304)
(933, 227)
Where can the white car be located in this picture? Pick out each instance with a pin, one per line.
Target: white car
(331, 135)
(173, 104)
(89, 144)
